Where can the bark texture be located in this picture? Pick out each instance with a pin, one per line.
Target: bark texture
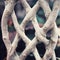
(40, 33)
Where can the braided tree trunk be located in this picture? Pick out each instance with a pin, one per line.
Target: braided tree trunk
(40, 33)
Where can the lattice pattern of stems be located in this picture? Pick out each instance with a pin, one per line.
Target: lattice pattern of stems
(40, 33)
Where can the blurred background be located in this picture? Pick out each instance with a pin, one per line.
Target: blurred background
(29, 30)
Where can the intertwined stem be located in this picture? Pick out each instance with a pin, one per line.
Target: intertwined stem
(40, 33)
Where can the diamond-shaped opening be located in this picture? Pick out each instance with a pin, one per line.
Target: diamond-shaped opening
(41, 49)
(20, 47)
(30, 57)
(48, 34)
(40, 17)
(20, 12)
(29, 30)
(50, 3)
(32, 2)
(11, 27)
